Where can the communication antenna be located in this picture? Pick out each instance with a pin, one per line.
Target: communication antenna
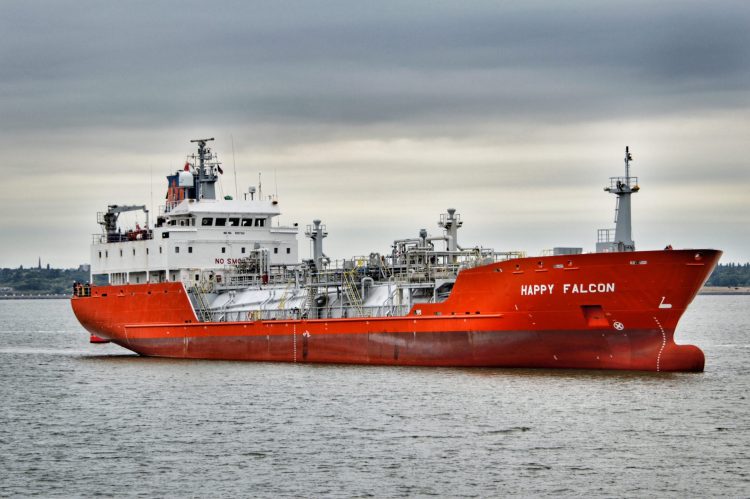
(628, 159)
(234, 165)
(260, 187)
(151, 179)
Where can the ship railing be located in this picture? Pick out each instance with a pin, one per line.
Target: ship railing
(618, 183)
(81, 290)
(168, 206)
(350, 312)
(605, 235)
(254, 279)
(121, 237)
(369, 311)
(502, 256)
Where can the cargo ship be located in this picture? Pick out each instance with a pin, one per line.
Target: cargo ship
(221, 278)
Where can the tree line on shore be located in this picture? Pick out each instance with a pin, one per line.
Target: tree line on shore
(44, 281)
(730, 275)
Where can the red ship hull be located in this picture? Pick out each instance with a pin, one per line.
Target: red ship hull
(593, 311)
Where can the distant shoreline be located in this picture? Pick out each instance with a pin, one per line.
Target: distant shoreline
(724, 290)
(34, 297)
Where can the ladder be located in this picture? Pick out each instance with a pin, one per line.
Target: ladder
(352, 293)
(617, 207)
(204, 314)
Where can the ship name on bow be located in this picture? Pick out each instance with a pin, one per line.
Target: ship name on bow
(567, 288)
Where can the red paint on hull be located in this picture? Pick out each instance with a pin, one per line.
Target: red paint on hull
(487, 321)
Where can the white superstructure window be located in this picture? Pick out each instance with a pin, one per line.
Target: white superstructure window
(260, 222)
(247, 222)
(234, 222)
(176, 249)
(207, 222)
(221, 222)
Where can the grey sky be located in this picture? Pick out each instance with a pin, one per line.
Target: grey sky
(378, 117)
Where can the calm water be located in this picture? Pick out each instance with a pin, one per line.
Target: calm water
(81, 420)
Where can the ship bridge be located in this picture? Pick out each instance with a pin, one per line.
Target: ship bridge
(196, 236)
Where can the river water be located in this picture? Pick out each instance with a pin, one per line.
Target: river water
(82, 420)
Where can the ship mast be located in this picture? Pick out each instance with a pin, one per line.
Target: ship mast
(206, 176)
(623, 187)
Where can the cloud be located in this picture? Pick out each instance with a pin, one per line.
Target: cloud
(515, 114)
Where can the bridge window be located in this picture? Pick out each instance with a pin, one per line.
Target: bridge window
(247, 222)
(207, 222)
(260, 222)
(234, 222)
(221, 222)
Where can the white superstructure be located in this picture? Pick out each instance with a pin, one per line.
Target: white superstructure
(196, 238)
